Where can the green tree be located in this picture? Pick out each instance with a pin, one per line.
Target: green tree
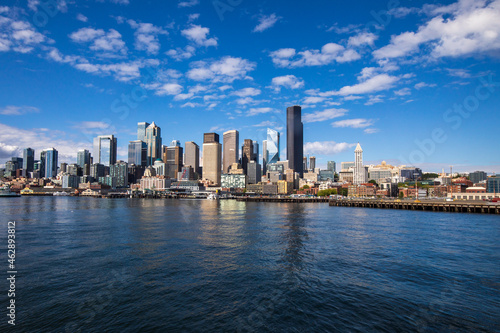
(401, 195)
(305, 187)
(373, 181)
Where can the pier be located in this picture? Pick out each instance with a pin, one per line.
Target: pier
(278, 199)
(425, 205)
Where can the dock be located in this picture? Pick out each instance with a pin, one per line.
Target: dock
(278, 199)
(424, 205)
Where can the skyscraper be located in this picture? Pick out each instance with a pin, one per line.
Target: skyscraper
(48, 159)
(153, 140)
(212, 158)
(247, 154)
(172, 156)
(359, 176)
(231, 142)
(255, 151)
(273, 146)
(119, 171)
(105, 150)
(137, 153)
(192, 156)
(312, 163)
(141, 131)
(304, 163)
(294, 138)
(330, 165)
(82, 158)
(265, 156)
(28, 160)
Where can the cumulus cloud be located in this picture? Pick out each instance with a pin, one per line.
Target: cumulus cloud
(403, 92)
(287, 81)
(421, 85)
(328, 54)
(106, 44)
(198, 35)
(226, 70)
(146, 36)
(323, 115)
(326, 147)
(180, 54)
(363, 38)
(266, 22)
(82, 18)
(18, 36)
(464, 28)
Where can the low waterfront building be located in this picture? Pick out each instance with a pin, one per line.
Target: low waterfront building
(233, 180)
(270, 189)
(255, 188)
(285, 187)
(155, 183)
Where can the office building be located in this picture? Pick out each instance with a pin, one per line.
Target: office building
(231, 143)
(247, 154)
(233, 181)
(345, 166)
(255, 151)
(105, 150)
(359, 170)
(70, 181)
(477, 176)
(192, 156)
(63, 167)
(172, 157)
(83, 157)
(49, 160)
(212, 158)
(304, 163)
(254, 172)
(271, 151)
(210, 137)
(295, 139)
(265, 156)
(493, 184)
(312, 163)
(410, 173)
(28, 160)
(119, 171)
(330, 165)
(137, 153)
(141, 131)
(153, 140)
(97, 170)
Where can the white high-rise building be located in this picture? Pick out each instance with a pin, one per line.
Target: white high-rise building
(359, 169)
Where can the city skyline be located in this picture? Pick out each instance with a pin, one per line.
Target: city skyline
(191, 74)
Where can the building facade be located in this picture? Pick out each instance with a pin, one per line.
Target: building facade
(105, 150)
(49, 159)
(359, 169)
(231, 143)
(153, 141)
(295, 138)
(212, 158)
(192, 156)
(137, 153)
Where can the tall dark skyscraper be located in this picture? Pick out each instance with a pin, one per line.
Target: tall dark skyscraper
(247, 154)
(28, 160)
(294, 139)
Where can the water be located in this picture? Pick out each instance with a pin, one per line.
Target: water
(105, 265)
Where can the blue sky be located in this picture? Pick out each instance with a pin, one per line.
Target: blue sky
(414, 82)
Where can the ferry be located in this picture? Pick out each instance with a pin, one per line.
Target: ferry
(5, 192)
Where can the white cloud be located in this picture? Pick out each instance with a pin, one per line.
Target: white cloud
(353, 123)
(180, 54)
(256, 111)
(363, 38)
(188, 3)
(13, 140)
(375, 99)
(266, 22)
(328, 54)
(198, 35)
(169, 89)
(403, 92)
(326, 147)
(81, 17)
(473, 28)
(371, 130)
(247, 92)
(265, 123)
(146, 36)
(224, 70)
(323, 115)
(421, 85)
(313, 100)
(376, 83)
(11, 110)
(287, 81)
(107, 44)
(18, 36)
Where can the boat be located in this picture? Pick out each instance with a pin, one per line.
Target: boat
(5, 192)
(61, 194)
(213, 196)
